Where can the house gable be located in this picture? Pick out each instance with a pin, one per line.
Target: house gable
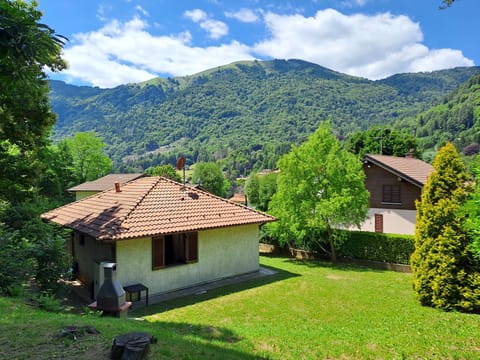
(394, 182)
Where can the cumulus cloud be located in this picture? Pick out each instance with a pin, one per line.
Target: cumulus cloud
(243, 15)
(216, 29)
(122, 53)
(368, 46)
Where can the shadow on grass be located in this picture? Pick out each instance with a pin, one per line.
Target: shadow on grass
(193, 341)
(187, 300)
(29, 333)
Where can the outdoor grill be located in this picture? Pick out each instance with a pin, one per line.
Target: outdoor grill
(111, 296)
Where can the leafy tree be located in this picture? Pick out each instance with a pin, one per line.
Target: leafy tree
(260, 189)
(166, 170)
(59, 174)
(320, 187)
(210, 177)
(89, 160)
(381, 140)
(252, 189)
(445, 274)
(471, 212)
(27, 48)
(15, 262)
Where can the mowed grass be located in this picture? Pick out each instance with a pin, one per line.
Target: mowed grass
(307, 310)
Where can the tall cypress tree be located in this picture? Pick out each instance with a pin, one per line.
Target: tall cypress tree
(445, 275)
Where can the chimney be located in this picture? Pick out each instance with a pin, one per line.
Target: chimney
(117, 187)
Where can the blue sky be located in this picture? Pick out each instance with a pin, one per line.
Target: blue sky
(114, 42)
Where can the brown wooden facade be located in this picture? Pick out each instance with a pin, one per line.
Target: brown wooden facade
(389, 191)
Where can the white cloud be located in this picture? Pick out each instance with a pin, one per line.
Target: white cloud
(216, 29)
(122, 53)
(243, 15)
(141, 10)
(196, 15)
(368, 46)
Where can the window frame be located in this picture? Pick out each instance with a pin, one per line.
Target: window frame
(391, 194)
(159, 249)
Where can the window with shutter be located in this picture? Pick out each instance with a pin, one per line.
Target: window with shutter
(158, 252)
(174, 249)
(191, 247)
(391, 194)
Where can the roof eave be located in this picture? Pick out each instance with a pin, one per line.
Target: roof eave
(394, 171)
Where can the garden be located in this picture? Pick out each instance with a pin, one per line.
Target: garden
(306, 310)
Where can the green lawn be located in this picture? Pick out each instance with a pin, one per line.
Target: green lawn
(308, 310)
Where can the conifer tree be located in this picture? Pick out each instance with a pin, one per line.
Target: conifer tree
(445, 274)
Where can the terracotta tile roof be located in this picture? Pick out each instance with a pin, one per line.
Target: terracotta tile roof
(410, 169)
(105, 183)
(151, 206)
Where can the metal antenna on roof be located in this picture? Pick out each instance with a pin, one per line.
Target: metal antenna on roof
(181, 166)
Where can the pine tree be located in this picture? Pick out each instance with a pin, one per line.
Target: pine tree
(445, 274)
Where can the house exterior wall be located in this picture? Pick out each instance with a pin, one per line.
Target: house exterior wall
(222, 253)
(85, 255)
(395, 221)
(376, 177)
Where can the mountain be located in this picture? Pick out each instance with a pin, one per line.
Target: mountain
(246, 113)
(456, 118)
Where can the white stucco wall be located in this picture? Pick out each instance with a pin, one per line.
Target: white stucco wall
(222, 253)
(395, 221)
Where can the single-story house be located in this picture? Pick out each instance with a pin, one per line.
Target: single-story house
(162, 234)
(394, 184)
(104, 183)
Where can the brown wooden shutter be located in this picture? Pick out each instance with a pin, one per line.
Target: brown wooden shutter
(158, 252)
(191, 247)
(378, 223)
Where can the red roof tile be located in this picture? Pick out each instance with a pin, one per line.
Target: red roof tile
(105, 183)
(151, 206)
(413, 170)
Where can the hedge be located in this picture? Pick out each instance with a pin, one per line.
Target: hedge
(389, 248)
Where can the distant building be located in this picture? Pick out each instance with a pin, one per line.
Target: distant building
(394, 184)
(104, 183)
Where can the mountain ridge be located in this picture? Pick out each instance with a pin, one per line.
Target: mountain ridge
(249, 112)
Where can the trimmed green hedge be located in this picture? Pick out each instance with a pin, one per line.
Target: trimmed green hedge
(390, 248)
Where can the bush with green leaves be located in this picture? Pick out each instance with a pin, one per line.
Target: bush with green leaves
(445, 273)
(16, 263)
(390, 248)
(210, 177)
(31, 248)
(260, 189)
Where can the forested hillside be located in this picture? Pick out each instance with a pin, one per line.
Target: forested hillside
(456, 118)
(246, 113)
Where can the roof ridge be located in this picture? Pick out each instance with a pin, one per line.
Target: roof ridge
(137, 203)
(225, 200)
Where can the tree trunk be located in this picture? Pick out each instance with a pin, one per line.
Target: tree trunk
(333, 255)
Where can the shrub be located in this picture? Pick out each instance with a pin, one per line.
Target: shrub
(16, 263)
(445, 274)
(382, 247)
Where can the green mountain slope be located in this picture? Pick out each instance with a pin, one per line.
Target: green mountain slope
(456, 118)
(247, 112)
